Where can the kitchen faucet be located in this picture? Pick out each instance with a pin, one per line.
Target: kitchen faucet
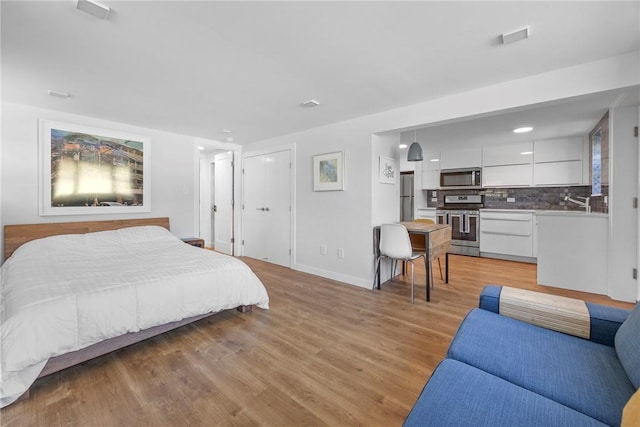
(584, 204)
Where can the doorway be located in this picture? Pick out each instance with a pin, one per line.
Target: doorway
(267, 207)
(216, 201)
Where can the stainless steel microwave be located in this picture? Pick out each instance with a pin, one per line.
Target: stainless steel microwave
(460, 178)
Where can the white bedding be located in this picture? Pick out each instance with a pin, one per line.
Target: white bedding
(64, 293)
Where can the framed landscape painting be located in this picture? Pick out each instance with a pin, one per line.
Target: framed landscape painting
(328, 172)
(92, 171)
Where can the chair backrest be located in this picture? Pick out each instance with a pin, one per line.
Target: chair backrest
(394, 241)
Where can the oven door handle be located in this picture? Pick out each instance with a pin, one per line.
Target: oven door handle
(467, 223)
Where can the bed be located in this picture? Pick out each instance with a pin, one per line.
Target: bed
(70, 292)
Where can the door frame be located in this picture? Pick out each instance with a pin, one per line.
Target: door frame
(237, 191)
(292, 175)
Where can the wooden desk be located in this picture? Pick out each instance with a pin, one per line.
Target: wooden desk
(437, 241)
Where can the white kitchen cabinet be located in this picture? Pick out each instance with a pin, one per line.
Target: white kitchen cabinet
(507, 234)
(507, 176)
(430, 170)
(558, 150)
(508, 154)
(461, 158)
(572, 251)
(430, 180)
(558, 173)
(558, 162)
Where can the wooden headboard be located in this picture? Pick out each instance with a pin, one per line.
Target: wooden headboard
(16, 235)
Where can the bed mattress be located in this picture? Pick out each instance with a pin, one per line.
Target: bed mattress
(64, 293)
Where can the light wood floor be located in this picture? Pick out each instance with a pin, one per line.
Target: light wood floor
(324, 354)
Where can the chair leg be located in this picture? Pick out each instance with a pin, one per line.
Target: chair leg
(440, 267)
(375, 274)
(413, 267)
(393, 268)
(431, 277)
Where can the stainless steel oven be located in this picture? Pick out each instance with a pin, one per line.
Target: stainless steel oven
(462, 213)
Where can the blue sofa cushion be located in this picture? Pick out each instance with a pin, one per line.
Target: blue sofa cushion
(574, 372)
(605, 322)
(460, 395)
(628, 345)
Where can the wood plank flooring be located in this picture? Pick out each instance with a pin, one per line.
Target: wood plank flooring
(325, 354)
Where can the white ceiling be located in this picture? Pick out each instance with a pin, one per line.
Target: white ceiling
(195, 68)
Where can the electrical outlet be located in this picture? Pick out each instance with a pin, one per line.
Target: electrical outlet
(434, 199)
(434, 194)
(341, 253)
(511, 199)
(323, 249)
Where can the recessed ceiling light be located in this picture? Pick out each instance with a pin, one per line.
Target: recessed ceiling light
(515, 36)
(230, 139)
(524, 129)
(225, 131)
(93, 8)
(200, 147)
(524, 153)
(310, 103)
(434, 160)
(402, 146)
(58, 94)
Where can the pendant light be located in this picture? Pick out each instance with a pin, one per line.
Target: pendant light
(415, 150)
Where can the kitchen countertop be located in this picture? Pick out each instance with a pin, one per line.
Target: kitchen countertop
(571, 213)
(544, 212)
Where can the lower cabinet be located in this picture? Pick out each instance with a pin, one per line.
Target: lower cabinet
(573, 251)
(507, 234)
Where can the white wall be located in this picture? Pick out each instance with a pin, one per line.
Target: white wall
(345, 219)
(173, 170)
(623, 218)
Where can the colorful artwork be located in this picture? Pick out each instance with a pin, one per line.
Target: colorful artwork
(328, 172)
(86, 171)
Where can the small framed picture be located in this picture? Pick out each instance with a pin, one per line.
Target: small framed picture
(388, 170)
(328, 172)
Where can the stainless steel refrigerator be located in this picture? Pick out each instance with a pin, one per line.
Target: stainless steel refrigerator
(406, 197)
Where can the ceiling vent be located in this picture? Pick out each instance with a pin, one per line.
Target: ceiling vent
(515, 36)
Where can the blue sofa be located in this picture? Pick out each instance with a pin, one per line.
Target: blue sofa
(501, 371)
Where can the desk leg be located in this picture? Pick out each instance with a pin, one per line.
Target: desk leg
(427, 264)
(446, 268)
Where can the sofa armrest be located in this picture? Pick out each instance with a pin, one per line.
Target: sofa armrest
(604, 320)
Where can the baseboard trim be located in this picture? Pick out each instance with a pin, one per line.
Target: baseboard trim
(350, 280)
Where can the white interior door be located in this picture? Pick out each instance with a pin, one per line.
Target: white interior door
(278, 207)
(253, 218)
(223, 203)
(267, 207)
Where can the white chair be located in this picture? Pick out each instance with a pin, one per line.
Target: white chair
(396, 245)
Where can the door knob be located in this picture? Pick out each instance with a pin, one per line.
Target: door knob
(266, 209)
(260, 209)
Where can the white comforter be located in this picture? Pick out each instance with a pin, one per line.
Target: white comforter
(64, 293)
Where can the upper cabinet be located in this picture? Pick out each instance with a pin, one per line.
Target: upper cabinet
(558, 150)
(430, 170)
(507, 165)
(558, 161)
(461, 158)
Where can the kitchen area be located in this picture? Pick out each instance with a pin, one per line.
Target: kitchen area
(540, 198)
